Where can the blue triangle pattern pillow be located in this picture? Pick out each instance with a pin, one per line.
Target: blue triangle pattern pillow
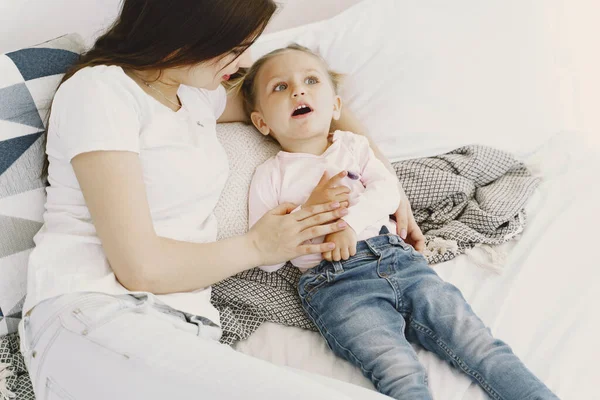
(28, 79)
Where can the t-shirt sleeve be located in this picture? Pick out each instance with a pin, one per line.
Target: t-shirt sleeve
(261, 199)
(92, 114)
(381, 196)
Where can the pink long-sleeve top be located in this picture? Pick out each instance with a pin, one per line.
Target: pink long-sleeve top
(291, 177)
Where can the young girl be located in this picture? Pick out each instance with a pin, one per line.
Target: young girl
(374, 294)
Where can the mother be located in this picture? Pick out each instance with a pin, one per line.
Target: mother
(118, 303)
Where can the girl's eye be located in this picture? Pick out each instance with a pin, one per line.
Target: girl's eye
(279, 87)
(311, 80)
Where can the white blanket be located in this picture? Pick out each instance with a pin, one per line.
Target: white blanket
(542, 304)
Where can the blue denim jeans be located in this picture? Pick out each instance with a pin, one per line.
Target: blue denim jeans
(370, 308)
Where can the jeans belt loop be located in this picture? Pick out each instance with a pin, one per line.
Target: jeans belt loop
(337, 267)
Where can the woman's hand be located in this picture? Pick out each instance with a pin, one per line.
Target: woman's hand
(406, 225)
(329, 190)
(278, 235)
(345, 245)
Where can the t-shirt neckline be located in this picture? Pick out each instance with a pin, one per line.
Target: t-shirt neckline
(182, 109)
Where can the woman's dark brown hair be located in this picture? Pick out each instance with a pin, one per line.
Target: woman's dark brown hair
(160, 34)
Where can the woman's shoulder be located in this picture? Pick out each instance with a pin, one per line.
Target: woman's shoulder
(104, 74)
(101, 83)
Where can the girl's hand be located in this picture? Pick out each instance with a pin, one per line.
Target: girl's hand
(407, 227)
(329, 190)
(278, 235)
(345, 245)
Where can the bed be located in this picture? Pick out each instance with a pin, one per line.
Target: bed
(425, 79)
(542, 304)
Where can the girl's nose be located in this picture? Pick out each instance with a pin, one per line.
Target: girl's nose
(299, 93)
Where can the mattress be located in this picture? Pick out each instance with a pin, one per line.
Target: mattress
(542, 303)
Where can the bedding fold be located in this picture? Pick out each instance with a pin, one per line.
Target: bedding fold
(472, 196)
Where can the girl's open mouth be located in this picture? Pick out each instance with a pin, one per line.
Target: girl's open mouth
(301, 111)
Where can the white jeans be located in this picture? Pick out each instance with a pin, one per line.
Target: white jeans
(89, 346)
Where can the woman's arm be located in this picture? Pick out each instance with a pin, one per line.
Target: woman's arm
(234, 110)
(114, 191)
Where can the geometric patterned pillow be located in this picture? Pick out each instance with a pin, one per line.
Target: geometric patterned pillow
(28, 80)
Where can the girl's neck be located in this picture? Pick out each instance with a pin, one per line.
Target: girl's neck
(316, 145)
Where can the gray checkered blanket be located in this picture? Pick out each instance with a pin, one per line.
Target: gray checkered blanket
(14, 379)
(471, 196)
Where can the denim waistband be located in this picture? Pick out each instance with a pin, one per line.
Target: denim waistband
(372, 245)
(377, 243)
(384, 239)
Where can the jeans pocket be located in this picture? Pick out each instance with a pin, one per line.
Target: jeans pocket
(359, 260)
(96, 311)
(309, 283)
(54, 391)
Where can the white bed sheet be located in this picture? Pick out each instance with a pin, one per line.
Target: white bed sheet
(543, 304)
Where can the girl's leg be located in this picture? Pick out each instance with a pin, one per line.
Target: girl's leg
(95, 346)
(354, 308)
(440, 320)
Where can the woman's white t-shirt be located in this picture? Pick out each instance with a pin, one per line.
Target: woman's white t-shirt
(184, 170)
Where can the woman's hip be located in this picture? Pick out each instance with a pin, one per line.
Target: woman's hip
(120, 324)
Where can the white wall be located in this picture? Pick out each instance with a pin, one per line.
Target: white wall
(294, 13)
(27, 22)
(572, 25)
(578, 32)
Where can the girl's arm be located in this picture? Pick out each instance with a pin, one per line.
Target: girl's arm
(115, 194)
(407, 227)
(349, 122)
(262, 198)
(381, 195)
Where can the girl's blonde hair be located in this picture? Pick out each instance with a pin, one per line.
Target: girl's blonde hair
(244, 81)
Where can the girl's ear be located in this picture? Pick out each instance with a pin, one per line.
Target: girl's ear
(259, 123)
(337, 107)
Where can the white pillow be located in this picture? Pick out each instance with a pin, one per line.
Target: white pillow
(246, 149)
(429, 76)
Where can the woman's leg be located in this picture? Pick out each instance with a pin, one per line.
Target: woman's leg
(94, 346)
(441, 321)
